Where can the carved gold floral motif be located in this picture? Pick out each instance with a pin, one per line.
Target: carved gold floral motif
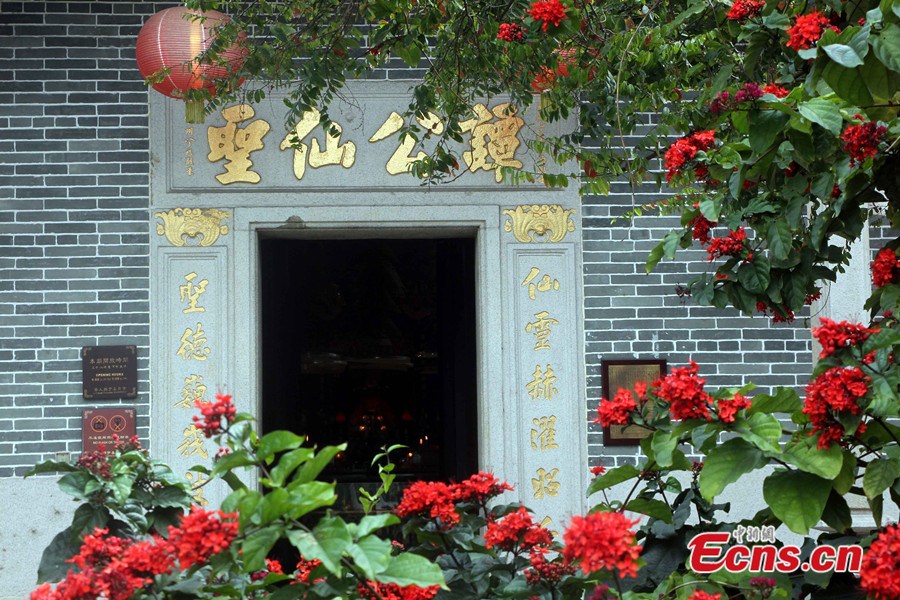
(203, 223)
(549, 222)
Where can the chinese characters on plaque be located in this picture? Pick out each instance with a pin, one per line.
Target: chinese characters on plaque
(493, 140)
(194, 348)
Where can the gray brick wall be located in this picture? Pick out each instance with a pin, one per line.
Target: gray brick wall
(74, 241)
(74, 234)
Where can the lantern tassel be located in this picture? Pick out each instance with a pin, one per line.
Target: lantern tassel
(194, 111)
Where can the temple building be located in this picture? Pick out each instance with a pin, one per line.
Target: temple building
(146, 262)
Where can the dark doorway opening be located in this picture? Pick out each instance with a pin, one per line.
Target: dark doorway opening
(372, 342)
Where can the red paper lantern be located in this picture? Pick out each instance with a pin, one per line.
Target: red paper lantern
(173, 39)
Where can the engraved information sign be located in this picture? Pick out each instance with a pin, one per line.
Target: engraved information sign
(98, 425)
(109, 372)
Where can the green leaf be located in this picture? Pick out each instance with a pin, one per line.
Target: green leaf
(879, 476)
(726, 463)
(847, 477)
(785, 400)
(754, 275)
(371, 554)
(797, 498)
(837, 513)
(710, 207)
(823, 112)
(613, 477)
(765, 127)
(761, 430)
(327, 542)
(314, 466)
(371, 523)
(54, 561)
(652, 508)
(257, 545)
(805, 454)
(663, 445)
(410, 569)
(779, 238)
(122, 487)
(275, 442)
(51, 466)
(843, 55)
(288, 463)
(886, 46)
(849, 84)
(74, 484)
(307, 497)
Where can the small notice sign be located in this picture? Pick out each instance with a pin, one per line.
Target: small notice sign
(109, 372)
(99, 424)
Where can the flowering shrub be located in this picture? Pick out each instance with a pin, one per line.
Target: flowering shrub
(807, 30)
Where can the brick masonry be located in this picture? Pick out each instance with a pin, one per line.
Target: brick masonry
(75, 226)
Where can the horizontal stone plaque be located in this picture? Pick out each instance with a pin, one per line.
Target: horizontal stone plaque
(109, 372)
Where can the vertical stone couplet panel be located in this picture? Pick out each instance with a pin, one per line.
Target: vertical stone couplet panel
(191, 337)
(543, 361)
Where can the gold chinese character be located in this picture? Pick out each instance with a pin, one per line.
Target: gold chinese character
(541, 385)
(401, 161)
(541, 329)
(545, 284)
(193, 390)
(197, 487)
(545, 483)
(188, 131)
(236, 145)
(544, 437)
(193, 443)
(545, 523)
(493, 140)
(333, 154)
(191, 293)
(193, 344)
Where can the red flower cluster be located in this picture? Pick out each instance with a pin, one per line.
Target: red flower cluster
(479, 488)
(837, 390)
(728, 408)
(683, 390)
(701, 595)
(516, 531)
(750, 91)
(543, 570)
(201, 534)
(428, 498)
(701, 227)
(777, 91)
(602, 540)
(616, 411)
(878, 575)
(115, 568)
(548, 11)
(511, 32)
(305, 568)
(807, 30)
(885, 268)
(727, 246)
(833, 336)
(598, 470)
(742, 10)
(215, 415)
(686, 149)
(544, 80)
(375, 590)
(437, 500)
(861, 141)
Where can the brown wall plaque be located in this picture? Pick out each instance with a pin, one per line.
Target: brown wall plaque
(99, 424)
(624, 374)
(109, 372)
